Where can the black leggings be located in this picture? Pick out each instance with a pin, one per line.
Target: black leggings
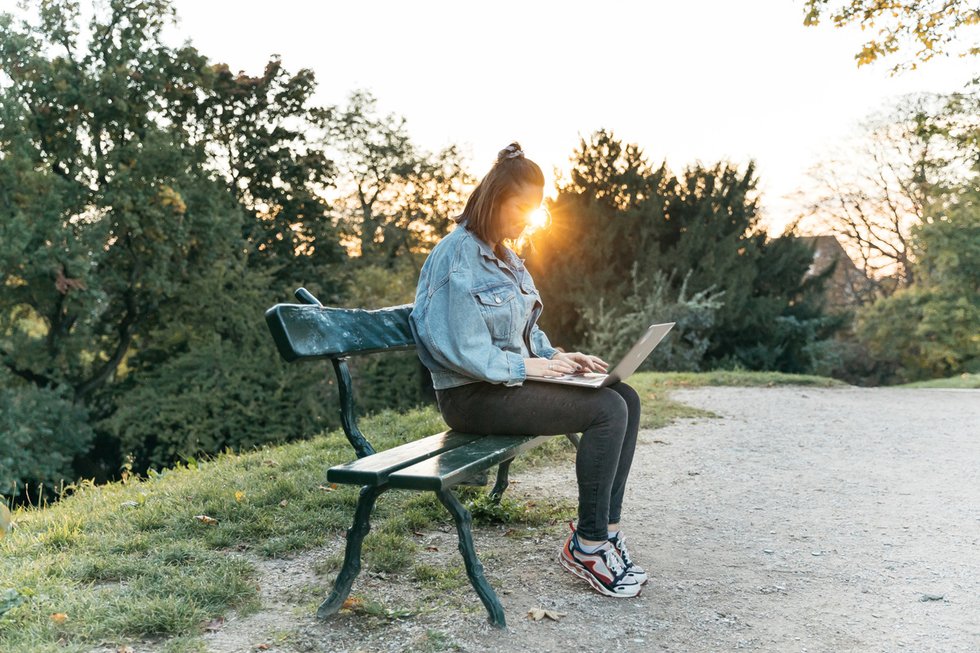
(608, 419)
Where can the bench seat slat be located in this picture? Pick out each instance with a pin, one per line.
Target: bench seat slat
(448, 469)
(374, 469)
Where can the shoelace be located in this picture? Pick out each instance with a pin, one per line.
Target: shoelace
(613, 562)
(623, 553)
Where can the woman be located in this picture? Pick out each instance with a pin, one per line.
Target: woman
(475, 323)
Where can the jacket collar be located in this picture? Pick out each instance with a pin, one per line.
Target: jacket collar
(514, 262)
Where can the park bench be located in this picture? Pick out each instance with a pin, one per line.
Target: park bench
(437, 463)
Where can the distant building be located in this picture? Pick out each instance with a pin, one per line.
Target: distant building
(848, 286)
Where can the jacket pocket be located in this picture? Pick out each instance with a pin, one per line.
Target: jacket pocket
(498, 305)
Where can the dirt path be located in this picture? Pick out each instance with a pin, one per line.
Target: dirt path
(801, 520)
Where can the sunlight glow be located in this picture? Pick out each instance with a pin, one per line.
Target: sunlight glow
(538, 219)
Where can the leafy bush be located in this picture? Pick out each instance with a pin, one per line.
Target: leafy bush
(611, 331)
(926, 333)
(932, 329)
(43, 431)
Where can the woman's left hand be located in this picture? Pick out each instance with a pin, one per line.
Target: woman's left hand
(584, 362)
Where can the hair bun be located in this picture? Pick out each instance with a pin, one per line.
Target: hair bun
(512, 151)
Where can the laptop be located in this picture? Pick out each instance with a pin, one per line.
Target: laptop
(636, 355)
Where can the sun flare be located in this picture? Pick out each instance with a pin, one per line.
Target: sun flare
(538, 218)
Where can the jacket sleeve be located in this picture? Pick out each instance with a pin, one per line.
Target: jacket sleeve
(457, 337)
(540, 343)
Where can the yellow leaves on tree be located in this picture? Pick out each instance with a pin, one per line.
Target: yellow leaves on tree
(929, 28)
(171, 198)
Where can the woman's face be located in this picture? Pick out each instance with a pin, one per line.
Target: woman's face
(515, 210)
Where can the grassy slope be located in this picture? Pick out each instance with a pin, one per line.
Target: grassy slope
(132, 560)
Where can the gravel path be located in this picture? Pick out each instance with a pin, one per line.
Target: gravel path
(801, 520)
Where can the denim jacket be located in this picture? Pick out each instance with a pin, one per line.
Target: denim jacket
(475, 315)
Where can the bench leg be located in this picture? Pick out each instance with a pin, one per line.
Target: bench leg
(474, 569)
(352, 555)
(501, 485)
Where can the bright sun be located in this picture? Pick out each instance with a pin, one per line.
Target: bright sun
(539, 218)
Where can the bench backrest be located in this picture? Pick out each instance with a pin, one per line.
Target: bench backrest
(311, 331)
(324, 332)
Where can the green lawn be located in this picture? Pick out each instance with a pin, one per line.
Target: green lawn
(159, 557)
(969, 381)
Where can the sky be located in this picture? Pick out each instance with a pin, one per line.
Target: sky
(699, 80)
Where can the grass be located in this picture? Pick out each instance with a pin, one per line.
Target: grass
(735, 378)
(960, 381)
(158, 558)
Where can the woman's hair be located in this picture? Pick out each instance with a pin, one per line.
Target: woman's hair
(510, 172)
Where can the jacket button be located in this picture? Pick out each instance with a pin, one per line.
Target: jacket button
(497, 299)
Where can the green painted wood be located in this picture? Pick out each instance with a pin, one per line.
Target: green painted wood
(352, 555)
(474, 569)
(448, 469)
(376, 469)
(348, 417)
(310, 332)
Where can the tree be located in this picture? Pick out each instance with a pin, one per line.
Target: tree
(932, 328)
(651, 245)
(932, 26)
(258, 133)
(105, 200)
(602, 220)
(133, 274)
(395, 198)
(873, 193)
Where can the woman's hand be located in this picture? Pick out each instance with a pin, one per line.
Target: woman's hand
(545, 367)
(582, 362)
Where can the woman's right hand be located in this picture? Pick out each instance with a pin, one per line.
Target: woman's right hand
(545, 367)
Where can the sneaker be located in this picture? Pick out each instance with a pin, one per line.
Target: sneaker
(633, 569)
(603, 570)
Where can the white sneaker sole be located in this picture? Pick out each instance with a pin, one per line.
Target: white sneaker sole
(596, 585)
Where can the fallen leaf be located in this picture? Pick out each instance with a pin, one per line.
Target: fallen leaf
(239, 496)
(270, 463)
(540, 613)
(204, 519)
(125, 649)
(263, 647)
(283, 503)
(59, 617)
(327, 488)
(351, 603)
(431, 548)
